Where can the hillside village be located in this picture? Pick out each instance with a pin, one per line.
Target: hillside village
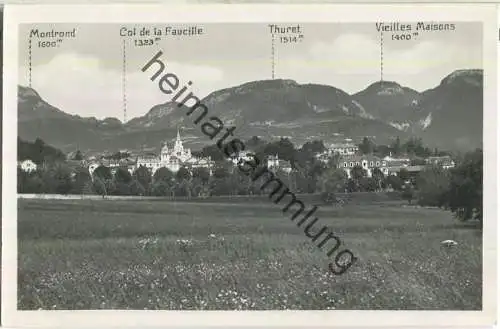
(356, 161)
(346, 155)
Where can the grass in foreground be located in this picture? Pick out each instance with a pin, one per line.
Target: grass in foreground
(249, 256)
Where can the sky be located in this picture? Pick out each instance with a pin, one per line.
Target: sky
(84, 75)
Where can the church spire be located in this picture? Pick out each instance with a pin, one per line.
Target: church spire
(178, 143)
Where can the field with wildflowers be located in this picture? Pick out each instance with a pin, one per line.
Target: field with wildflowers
(164, 255)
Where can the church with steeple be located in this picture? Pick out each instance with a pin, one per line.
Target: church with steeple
(172, 158)
(175, 157)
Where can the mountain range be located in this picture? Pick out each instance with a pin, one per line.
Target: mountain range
(448, 116)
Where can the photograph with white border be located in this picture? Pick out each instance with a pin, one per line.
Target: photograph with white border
(303, 165)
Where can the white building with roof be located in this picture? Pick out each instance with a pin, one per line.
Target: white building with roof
(275, 163)
(367, 162)
(397, 162)
(343, 149)
(446, 162)
(241, 157)
(27, 165)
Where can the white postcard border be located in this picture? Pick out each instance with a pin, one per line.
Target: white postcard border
(19, 14)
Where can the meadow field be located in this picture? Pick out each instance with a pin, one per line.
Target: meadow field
(241, 255)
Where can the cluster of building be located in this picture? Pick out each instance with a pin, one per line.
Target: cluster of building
(342, 149)
(273, 161)
(171, 158)
(178, 156)
(388, 165)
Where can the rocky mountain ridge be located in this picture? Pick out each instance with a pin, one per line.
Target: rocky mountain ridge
(281, 108)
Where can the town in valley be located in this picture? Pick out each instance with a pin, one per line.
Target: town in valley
(354, 160)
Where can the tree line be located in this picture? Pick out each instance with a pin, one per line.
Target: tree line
(458, 189)
(38, 152)
(413, 148)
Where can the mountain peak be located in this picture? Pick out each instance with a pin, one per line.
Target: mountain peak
(386, 88)
(469, 76)
(269, 84)
(24, 92)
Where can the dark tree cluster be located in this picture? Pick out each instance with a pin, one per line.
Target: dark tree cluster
(413, 148)
(38, 152)
(117, 156)
(459, 189)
